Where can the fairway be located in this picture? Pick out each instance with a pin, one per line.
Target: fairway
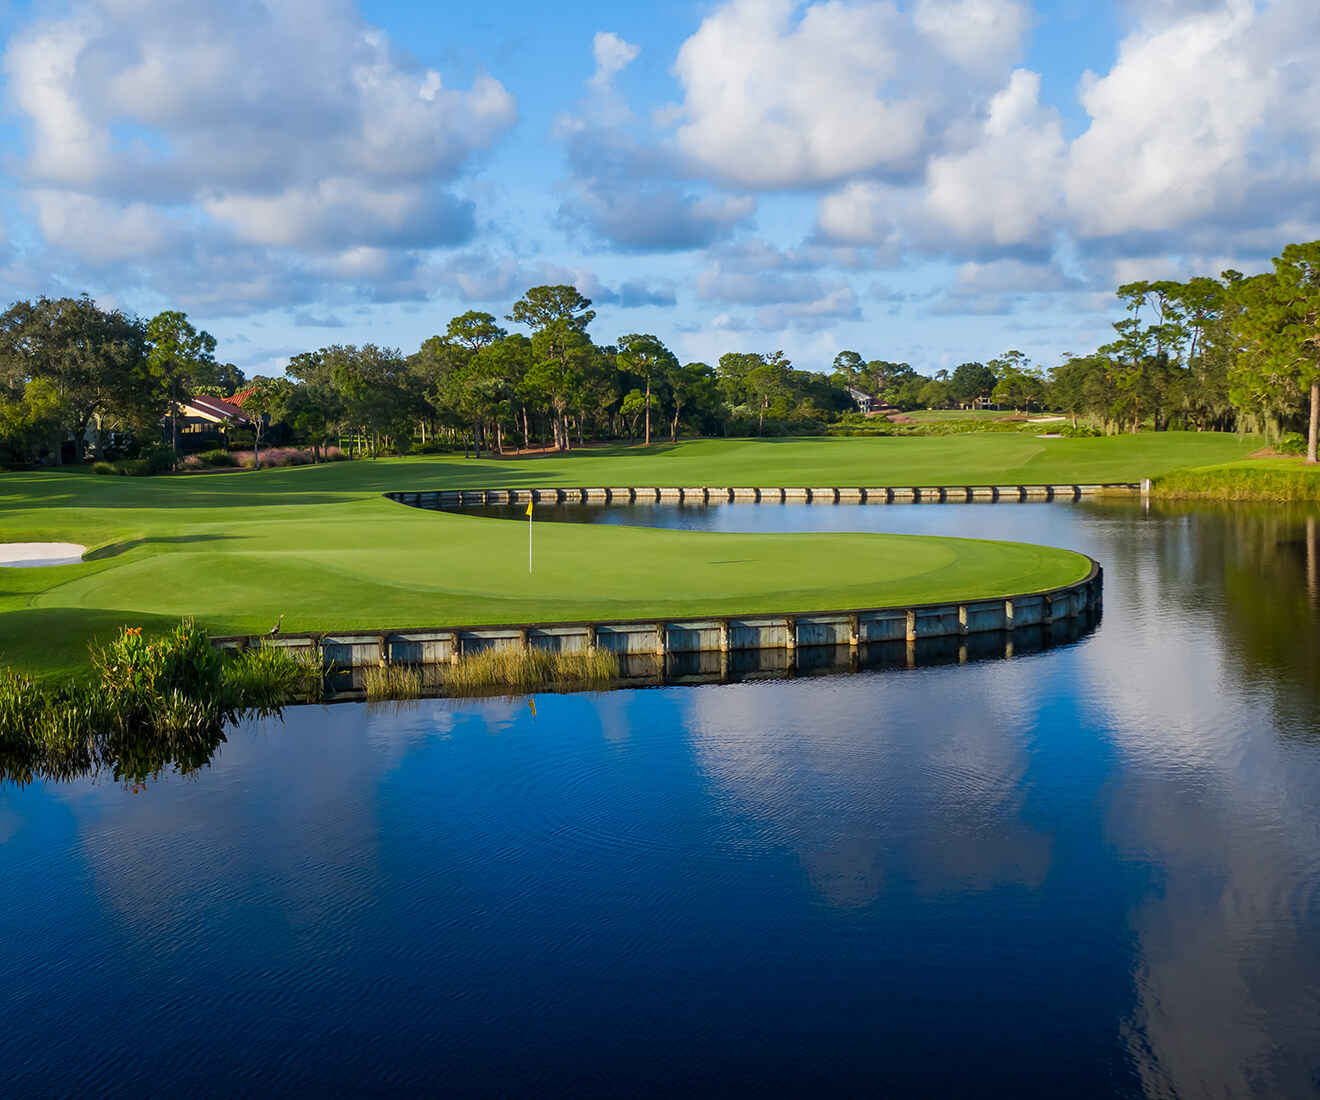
(322, 547)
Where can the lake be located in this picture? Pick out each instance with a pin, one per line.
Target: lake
(1088, 870)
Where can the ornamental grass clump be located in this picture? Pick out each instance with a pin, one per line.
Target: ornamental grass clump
(23, 704)
(268, 677)
(384, 682)
(523, 669)
(275, 456)
(46, 732)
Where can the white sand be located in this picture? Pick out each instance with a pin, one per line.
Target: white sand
(25, 554)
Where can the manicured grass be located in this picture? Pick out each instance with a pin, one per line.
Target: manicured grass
(322, 547)
(977, 458)
(371, 563)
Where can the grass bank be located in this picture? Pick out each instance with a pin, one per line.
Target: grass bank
(1281, 480)
(320, 546)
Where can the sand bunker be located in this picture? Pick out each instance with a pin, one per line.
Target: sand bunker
(26, 554)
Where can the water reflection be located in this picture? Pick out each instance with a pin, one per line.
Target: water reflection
(944, 813)
(1088, 870)
(132, 756)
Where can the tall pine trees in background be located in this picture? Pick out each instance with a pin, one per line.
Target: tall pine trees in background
(1277, 321)
(1205, 354)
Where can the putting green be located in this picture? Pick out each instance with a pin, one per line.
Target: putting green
(321, 547)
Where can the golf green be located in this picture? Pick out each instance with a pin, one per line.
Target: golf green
(322, 547)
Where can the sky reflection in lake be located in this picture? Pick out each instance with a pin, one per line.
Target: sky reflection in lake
(1088, 871)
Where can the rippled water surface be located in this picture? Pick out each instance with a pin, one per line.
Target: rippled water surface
(1089, 871)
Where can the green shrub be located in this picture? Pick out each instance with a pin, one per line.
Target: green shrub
(152, 460)
(268, 677)
(1294, 443)
(869, 431)
(218, 458)
(140, 677)
(748, 424)
(103, 468)
(936, 427)
(158, 459)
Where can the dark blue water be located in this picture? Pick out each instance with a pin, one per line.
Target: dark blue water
(1091, 871)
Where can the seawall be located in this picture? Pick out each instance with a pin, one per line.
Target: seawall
(662, 638)
(935, 494)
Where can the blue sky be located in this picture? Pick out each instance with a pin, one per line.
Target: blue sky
(926, 180)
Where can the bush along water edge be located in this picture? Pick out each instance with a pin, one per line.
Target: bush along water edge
(163, 702)
(151, 704)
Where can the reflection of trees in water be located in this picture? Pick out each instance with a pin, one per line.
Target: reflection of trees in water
(1263, 562)
(132, 756)
(1254, 570)
(1269, 587)
(1210, 689)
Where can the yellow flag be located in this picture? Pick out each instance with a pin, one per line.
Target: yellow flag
(529, 507)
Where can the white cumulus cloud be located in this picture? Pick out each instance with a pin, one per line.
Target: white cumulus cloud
(1004, 188)
(612, 55)
(778, 99)
(1197, 115)
(292, 124)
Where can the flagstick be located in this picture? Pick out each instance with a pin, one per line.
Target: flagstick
(529, 541)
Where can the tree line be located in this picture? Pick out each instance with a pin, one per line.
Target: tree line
(78, 381)
(480, 386)
(75, 377)
(1235, 352)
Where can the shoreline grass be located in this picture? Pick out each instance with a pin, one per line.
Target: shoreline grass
(270, 677)
(391, 683)
(491, 670)
(1274, 480)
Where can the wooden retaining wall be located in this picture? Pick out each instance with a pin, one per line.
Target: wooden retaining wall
(655, 494)
(646, 670)
(350, 649)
